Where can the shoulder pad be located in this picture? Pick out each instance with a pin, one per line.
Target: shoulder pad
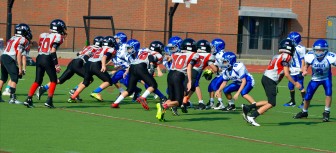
(331, 57)
(309, 57)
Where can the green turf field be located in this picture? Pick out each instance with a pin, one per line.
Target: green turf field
(93, 127)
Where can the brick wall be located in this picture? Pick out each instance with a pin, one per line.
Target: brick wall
(216, 16)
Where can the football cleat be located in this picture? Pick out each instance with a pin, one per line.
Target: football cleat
(72, 91)
(210, 105)
(160, 112)
(230, 107)
(326, 116)
(143, 102)
(79, 99)
(40, 91)
(70, 100)
(28, 103)
(246, 110)
(220, 107)
(174, 111)
(49, 105)
(289, 104)
(252, 121)
(96, 96)
(14, 101)
(201, 106)
(301, 115)
(115, 105)
(184, 108)
(1, 100)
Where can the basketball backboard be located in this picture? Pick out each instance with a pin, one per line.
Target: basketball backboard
(187, 2)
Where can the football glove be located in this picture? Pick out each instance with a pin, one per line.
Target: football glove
(58, 68)
(207, 74)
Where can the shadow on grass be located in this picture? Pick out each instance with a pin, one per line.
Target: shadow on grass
(200, 119)
(203, 112)
(305, 122)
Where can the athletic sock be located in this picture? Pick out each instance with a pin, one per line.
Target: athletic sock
(33, 89)
(119, 99)
(292, 95)
(97, 90)
(46, 86)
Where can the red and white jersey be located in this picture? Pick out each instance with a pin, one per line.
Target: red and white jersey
(143, 57)
(26, 50)
(47, 41)
(275, 69)
(181, 60)
(14, 45)
(205, 59)
(99, 54)
(88, 51)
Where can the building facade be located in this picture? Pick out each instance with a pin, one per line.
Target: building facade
(249, 27)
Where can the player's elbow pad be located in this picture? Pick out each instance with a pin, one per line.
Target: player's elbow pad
(108, 55)
(152, 59)
(193, 62)
(54, 58)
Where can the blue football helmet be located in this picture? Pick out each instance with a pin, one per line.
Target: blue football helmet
(132, 46)
(217, 45)
(230, 58)
(98, 41)
(174, 44)
(22, 29)
(58, 26)
(167, 51)
(319, 45)
(111, 42)
(122, 38)
(295, 37)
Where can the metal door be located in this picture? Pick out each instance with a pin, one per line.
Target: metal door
(331, 33)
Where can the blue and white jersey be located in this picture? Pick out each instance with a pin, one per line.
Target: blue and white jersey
(296, 63)
(321, 68)
(237, 73)
(219, 62)
(166, 63)
(120, 58)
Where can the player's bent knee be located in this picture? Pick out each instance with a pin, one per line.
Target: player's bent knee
(86, 83)
(14, 78)
(273, 103)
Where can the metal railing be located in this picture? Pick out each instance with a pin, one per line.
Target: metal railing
(76, 38)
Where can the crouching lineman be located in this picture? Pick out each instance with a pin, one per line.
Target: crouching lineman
(243, 81)
(76, 66)
(181, 67)
(143, 69)
(96, 65)
(320, 61)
